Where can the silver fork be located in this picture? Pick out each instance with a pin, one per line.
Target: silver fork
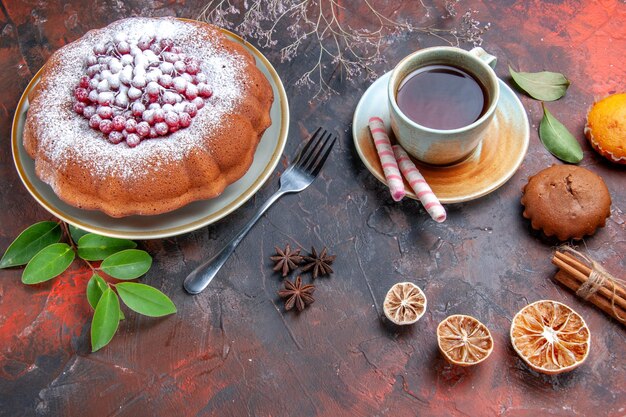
(299, 175)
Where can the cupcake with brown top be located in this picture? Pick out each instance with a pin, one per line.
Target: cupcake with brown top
(566, 201)
(606, 127)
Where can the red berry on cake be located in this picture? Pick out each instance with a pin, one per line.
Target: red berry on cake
(180, 84)
(99, 49)
(132, 140)
(153, 88)
(170, 97)
(130, 125)
(116, 137)
(191, 92)
(126, 59)
(89, 111)
(94, 121)
(204, 90)
(123, 47)
(180, 66)
(161, 128)
(159, 115)
(93, 70)
(84, 81)
(143, 129)
(106, 126)
(165, 80)
(148, 116)
(105, 98)
(200, 78)
(79, 107)
(191, 108)
(81, 94)
(137, 109)
(139, 81)
(166, 44)
(170, 57)
(172, 119)
(121, 99)
(114, 82)
(144, 42)
(134, 93)
(105, 112)
(199, 103)
(93, 96)
(119, 123)
(184, 119)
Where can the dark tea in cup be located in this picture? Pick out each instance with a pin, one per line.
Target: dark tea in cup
(442, 97)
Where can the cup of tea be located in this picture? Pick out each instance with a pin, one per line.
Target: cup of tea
(441, 101)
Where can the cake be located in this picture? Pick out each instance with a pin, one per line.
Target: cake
(566, 201)
(146, 115)
(606, 127)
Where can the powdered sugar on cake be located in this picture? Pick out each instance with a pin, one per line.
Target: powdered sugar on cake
(65, 135)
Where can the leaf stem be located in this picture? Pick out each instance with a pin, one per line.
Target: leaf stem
(66, 231)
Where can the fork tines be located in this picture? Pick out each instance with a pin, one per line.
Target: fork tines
(316, 151)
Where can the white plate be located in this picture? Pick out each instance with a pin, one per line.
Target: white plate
(190, 217)
(491, 165)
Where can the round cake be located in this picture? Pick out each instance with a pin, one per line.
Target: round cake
(146, 115)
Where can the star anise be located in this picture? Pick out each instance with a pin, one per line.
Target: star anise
(320, 264)
(297, 294)
(286, 260)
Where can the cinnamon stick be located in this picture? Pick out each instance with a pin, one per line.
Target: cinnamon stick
(571, 260)
(582, 278)
(601, 302)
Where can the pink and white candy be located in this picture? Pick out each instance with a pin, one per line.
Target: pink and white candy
(387, 160)
(417, 182)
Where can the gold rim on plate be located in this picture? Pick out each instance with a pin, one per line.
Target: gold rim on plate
(187, 227)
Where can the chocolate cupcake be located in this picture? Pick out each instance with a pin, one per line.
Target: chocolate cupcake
(566, 201)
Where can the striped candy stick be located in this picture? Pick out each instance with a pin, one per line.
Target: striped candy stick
(419, 185)
(387, 160)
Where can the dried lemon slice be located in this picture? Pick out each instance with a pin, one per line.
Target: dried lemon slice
(405, 303)
(550, 337)
(463, 340)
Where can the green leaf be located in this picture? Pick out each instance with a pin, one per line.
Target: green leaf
(29, 242)
(48, 263)
(127, 264)
(76, 233)
(545, 85)
(558, 140)
(94, 247)
(95, 287)
(145, 299)
(106, 320)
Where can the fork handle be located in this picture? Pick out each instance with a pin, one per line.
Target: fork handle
(202, 276)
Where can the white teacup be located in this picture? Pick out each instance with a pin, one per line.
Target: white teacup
(435, 146)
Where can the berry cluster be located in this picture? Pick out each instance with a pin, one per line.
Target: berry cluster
(140, 89)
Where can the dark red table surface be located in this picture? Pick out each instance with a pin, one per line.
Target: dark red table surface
(232, 351)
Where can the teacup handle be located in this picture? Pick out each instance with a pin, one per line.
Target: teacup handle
(481, 54)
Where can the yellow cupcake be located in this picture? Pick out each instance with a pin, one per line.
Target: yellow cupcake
(606, 127)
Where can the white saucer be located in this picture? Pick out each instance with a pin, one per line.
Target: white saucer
(491, 165)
